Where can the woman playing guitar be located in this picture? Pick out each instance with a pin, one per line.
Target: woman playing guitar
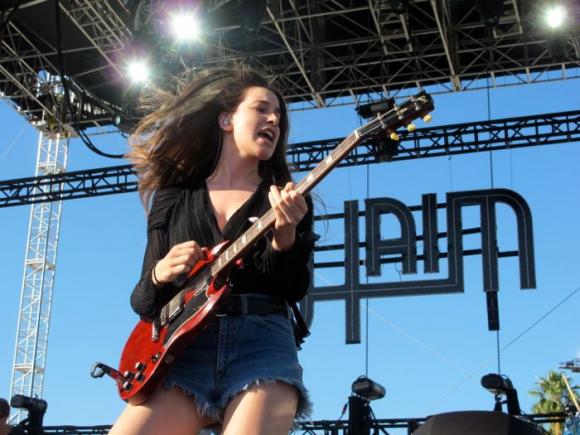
(213, 159)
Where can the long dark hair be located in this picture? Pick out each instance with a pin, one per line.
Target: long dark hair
(178, 142)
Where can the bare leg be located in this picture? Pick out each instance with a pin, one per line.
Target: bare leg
(267, 409)
(167, 412)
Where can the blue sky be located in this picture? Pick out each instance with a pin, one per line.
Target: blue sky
(429, 352)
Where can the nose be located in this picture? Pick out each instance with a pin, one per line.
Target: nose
(273, 118)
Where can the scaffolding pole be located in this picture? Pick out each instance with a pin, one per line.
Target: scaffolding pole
(31, 345)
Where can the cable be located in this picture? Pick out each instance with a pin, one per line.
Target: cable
(74, 122)
(367, 301)
(486, 362)
(492, 185)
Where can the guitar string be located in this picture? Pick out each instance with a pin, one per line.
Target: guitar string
(389, 116)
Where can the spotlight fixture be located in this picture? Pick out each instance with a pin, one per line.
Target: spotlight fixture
(251, 14)
(36, 409)
(185, 27)
(385, 148)
(490, 11)
(399, 6)
(371, 109)
(138, 71)
(500, 385)
(555, 16)
(368, 389)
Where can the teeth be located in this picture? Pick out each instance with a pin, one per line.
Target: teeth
(268, 134)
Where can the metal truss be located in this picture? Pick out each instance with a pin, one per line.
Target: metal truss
(322, 427)
(39, 269)
(28, 57)
(320, 53)
(545, 129)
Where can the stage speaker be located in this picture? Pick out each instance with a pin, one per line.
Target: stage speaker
(477, 423)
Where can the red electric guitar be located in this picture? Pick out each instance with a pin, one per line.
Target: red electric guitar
(153, 346)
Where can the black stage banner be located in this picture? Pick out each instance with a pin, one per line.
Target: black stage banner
(377, 249)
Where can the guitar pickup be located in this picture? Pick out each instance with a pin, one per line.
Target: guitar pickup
(174, 308)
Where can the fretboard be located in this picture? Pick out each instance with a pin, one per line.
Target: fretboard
(236, 249)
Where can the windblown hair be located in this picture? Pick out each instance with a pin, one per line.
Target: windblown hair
(179, 141)
(4, 408)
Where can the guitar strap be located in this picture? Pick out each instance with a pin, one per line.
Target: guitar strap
(300, 328)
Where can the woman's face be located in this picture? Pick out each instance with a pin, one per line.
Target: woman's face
(254, 125)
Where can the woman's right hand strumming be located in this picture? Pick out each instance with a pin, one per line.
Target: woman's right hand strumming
(180, 259)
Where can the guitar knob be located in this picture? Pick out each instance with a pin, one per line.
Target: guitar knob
(127, 386)
(139, 366)
(140, 376)
(411, 127)
(394, 136)
(427, 118)
(128, 375)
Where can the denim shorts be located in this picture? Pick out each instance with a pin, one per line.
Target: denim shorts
(235, 353)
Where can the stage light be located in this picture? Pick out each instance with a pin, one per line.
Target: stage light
(36, 409)
(368, 389)
(369, 110)
(138, 71)
(185, 27)
(250, 15)
(399, 6)
(555, 16)
(500, 385)
(490, 11)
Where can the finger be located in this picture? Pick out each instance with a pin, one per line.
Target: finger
(275, 193)
(189, 259)
(280, 216)
(179, 269)
(299, 201)
(188, 244)
(285, 210)
(183, 251)
(293, 206)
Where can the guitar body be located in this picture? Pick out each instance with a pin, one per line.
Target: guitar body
(149, 353)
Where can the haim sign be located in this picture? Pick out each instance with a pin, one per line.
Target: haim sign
(376, 247)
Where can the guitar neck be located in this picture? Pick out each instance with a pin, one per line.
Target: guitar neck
(414, 107)
(264, 223)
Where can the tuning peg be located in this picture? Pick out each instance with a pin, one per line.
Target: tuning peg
(427, 118)
(411, 127)
(394, 136)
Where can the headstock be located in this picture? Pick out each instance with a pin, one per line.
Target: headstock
(417, 106)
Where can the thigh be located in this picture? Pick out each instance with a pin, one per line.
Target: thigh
(266, 409)
(167, 412)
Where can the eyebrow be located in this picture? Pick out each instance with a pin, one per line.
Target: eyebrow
(277, 110)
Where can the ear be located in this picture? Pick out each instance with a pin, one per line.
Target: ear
(225, 121)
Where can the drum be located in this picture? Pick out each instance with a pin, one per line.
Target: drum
(477, 423)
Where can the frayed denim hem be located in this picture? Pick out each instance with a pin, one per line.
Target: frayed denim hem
(204, 409)
(216, 412)
(304, 408)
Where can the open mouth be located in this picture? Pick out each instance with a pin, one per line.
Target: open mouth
(267, 134)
